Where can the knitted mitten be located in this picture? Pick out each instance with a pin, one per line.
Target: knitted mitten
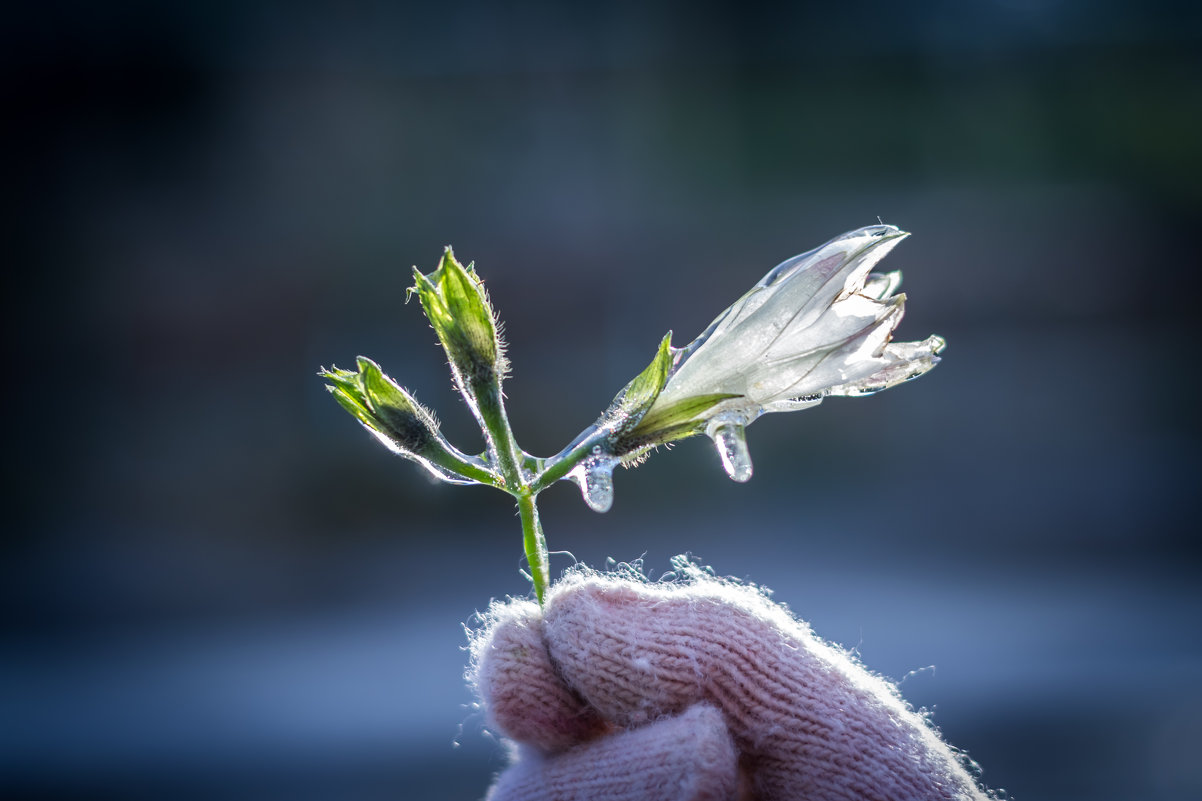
(624, 690)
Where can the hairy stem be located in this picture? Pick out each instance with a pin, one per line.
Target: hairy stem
(504, 448)
(561, 464)
(535, 543)
(510, 461)
(462, 465)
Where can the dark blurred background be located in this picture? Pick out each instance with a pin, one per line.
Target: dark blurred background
(216, 585)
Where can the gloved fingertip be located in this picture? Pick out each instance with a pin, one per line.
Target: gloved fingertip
(608, 638)
(714, 775)
(523, 696)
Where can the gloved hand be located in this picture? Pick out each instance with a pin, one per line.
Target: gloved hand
(624, 690)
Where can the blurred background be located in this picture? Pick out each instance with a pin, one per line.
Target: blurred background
(216, 585)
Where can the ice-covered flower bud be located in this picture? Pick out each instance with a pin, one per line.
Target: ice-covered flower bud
(819, 324)
(457, 306)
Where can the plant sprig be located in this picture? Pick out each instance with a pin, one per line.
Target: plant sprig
(819, 324)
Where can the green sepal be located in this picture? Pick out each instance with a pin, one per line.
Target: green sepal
(402, 418)
(634, 401)
(678, 421)
(347, 380)
(457, 307)
(352, 404)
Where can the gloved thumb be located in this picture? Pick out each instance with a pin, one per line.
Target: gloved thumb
(690, 757)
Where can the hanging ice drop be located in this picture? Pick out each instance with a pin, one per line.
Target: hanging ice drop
(595, 478)
(731, 441)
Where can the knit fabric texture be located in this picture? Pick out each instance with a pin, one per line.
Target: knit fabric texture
(626, 690)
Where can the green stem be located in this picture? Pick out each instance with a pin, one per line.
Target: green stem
(535, 543)
(510, 460)
(500, 436)
(562, 464)
(452, 460)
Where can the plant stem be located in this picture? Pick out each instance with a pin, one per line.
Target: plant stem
(500, 436)
(461, 465)
(535, 543)
(560, 465)
(509, 460)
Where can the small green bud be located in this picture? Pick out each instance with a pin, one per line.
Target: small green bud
(384, 408)
(405, 421)
(457, 306)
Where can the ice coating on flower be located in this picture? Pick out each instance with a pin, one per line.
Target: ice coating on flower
(819, 324)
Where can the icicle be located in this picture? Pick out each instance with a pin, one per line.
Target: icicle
(729, 437)
(595, 477)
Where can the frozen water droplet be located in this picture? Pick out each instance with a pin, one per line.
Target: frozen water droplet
(595, 477)
(730, 438)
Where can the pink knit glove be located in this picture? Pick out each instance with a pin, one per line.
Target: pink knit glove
(621, 690)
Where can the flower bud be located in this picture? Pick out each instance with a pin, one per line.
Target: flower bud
(390, 413)
(457, 306)
(819, 324)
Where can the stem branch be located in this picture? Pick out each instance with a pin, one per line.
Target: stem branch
(461, 465)
(561, 464)
(510, 460)
(500, 436)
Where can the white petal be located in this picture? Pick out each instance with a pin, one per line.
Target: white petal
(900, 361)
(789, 299)
(846, 319)
(851, 359)
(882, 285)
(803, 292)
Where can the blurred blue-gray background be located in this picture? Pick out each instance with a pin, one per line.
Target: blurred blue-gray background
(216, 585)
